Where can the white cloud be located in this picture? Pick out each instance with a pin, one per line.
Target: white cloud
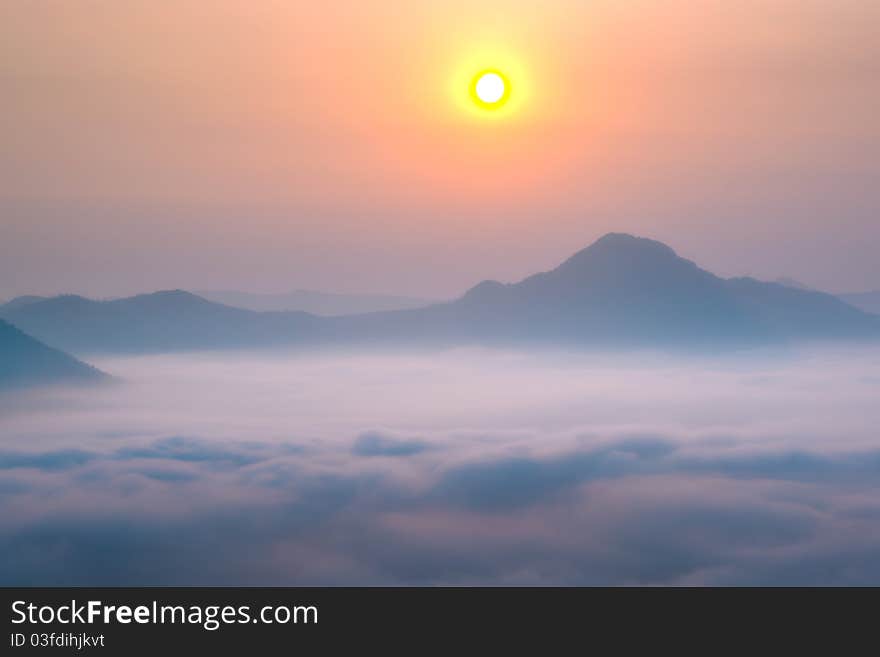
(456, 467)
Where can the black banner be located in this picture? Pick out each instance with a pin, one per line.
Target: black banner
(206, 620)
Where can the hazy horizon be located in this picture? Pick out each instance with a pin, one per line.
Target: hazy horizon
(218, 293)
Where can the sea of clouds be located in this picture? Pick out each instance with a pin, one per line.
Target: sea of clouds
(458, 467)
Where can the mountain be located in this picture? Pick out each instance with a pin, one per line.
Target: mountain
(626, 291)
(793, 282)
(25, 361)
(163, 321)
(620, 291)
(18, 302)
(867, 301)
(316, 303)
(803, 314)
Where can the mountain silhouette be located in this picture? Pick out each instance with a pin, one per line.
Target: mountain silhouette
(867, 301)
(25, 362)
(163, 321)
(626, 291)
(314, 302)
(18, 302)
(787, 281)
(620, 291)
(620, 288)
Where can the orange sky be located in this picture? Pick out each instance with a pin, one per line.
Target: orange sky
(271, 145)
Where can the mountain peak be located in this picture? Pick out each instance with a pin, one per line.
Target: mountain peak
(622, 254)
(167, 294)
(623, 243)
(166, 298)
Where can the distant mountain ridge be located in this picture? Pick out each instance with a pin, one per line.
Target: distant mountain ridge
(18, 302)
(621, 290)
(314, 302)
(867, 301)
(25, 361)
(172, 320)
(787, 281)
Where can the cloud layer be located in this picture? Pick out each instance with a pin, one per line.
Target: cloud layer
(466, 467)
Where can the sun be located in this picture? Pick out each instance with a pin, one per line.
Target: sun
(490, 84)
(490, 89)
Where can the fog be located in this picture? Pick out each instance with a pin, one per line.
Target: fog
(459, 467)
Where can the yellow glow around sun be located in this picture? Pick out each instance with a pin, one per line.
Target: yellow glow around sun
(490, 83)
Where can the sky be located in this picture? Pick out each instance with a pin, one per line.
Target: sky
(270, 146)
(459, 467)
